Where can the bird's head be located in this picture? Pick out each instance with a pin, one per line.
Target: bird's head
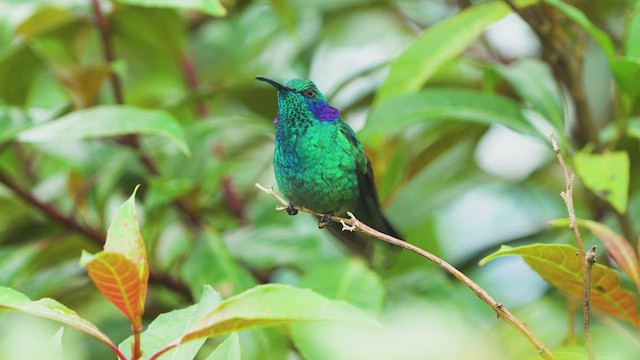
(301, 98)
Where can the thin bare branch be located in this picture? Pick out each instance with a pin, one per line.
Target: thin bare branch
(588, 258)
(353, 224)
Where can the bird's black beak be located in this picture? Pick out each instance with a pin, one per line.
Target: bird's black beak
(281, 88)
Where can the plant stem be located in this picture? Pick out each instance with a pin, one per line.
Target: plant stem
(191, 80)
(588, 258)
(117, 351)
(51, 212)
(107, 51)
(564, 52)
(352, 224)
(135, 347)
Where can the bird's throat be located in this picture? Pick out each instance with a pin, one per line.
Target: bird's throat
(323, 111)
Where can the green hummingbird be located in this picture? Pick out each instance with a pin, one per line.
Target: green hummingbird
(319, 163)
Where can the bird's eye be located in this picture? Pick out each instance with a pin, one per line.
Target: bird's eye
(309, 93)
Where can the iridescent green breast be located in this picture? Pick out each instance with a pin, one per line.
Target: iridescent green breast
(316, 166)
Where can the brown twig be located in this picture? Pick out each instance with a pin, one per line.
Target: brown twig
(51, 211)
(107, 51)
(563, 44)
(191, 217)
(191, 80)
(353, 224)
(588, 258)
(96, 236)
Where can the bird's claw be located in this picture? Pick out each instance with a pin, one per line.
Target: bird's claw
(290, 209)
(346, 227)
(325, 220)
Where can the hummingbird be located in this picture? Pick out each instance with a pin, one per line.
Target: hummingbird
(319, 163)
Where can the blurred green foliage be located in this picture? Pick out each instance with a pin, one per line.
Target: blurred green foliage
(453, 101)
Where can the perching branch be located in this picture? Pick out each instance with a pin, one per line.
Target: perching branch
(353, 224)
(588, 258)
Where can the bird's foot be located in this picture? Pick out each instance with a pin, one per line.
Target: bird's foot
(325, 220)
(291, 210)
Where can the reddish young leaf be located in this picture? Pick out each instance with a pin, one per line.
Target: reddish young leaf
(119, 280)
(121, 271)
(618, 248)
(559, 265)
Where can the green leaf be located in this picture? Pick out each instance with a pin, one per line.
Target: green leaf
(400, 112)
(211, 263)
(15, 89)
(123, 235)
(211, 7)
(228, 350)
(269, 305)
(626, 72)
(438, 45)
(632, 38)
(55, 346)
(153, 27)
(535, 84)
(43, 20)
(107, 121)
(559, 265)
(169, 326)
(607, 175)
(50, 309)
(581, 19)
(618, 247)
(350, 280)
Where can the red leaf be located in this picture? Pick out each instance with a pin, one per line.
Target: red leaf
(617, 247)
(120, 281)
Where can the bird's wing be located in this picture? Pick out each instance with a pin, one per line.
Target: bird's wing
(368, 209)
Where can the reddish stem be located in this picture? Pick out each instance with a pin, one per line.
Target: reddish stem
(107, 51)
(191, 79)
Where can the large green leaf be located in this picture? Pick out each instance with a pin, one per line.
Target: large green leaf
(167, 327)
(211, 7)
(43, 20)
(18, 69)
(211, 263)
(560, 266)
(349, 280)
(607, 175)
(105, 121)
(534, 83)
(632, 39)
(438, 45)
(626, 72)
(50, 309)
(228, 350)
(269, 305)
(400, 112)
